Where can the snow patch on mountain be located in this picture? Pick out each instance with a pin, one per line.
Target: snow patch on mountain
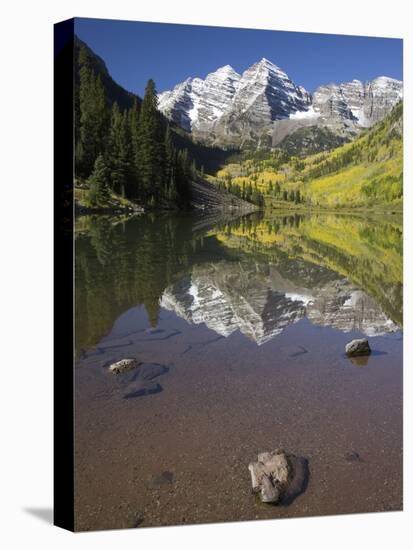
(299, 115)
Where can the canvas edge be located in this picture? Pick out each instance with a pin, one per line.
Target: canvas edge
(63, 174)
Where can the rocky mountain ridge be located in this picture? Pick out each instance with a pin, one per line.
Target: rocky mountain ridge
(263, 105)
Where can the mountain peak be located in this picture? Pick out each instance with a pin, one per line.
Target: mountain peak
(386, 80)
(226, 70)
(264, 62)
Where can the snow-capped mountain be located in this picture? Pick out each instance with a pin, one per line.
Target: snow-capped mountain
(196, 102)
(232, 109)
(265, 87)
(262, 94)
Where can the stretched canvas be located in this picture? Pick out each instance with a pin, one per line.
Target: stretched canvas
(228, 208)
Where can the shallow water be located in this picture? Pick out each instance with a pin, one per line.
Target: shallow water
(240, 326)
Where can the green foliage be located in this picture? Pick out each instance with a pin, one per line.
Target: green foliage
(120, 152)
(92, 117)
(366, 172)
(99, 184)
(136, 142)
(151, 145)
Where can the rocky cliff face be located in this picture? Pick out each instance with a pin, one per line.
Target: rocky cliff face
(227, 104)
(198, 102)
(263, 105)
(357, 103)
(260, 302)
(265, 94)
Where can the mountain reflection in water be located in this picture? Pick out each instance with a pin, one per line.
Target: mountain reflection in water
(257, 274)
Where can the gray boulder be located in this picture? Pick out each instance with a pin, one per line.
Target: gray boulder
(278, 476)
(358, 347)
(270, 475)
(124, 365)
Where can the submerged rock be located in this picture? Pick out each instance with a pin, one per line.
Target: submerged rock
(140, 388)
(144, 381)
(358, 347)
(124, 365)
(152, 370)
(166, 478)
(270, 475)
(352, 456)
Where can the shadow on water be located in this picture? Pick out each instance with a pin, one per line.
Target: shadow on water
(143, 382)
(299, 481)
(144, 389)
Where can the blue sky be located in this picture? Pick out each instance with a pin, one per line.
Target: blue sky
(135, 52)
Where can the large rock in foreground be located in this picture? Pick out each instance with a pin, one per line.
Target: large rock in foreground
(278, 476)
(358, 347)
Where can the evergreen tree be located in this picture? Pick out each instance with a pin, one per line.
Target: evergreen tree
(119, 152)
(170, 167)
(133, 116)
(99, 192)
(91, 114)
(150, 145)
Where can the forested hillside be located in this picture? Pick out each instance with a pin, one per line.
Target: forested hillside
(363, 173)
(124, 145)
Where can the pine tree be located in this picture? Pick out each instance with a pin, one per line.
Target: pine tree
(170, 167)
(151, 145)
(119, 152)
(99, 183)
(133, 116)
(91, 115)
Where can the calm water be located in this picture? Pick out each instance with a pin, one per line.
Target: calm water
(241, 326)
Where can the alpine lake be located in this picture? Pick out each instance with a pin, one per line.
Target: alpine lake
(239, 325)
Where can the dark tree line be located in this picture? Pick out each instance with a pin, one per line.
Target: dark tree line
(247, 192)
(130, 151)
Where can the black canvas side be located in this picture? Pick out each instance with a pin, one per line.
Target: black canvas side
(63, 275)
